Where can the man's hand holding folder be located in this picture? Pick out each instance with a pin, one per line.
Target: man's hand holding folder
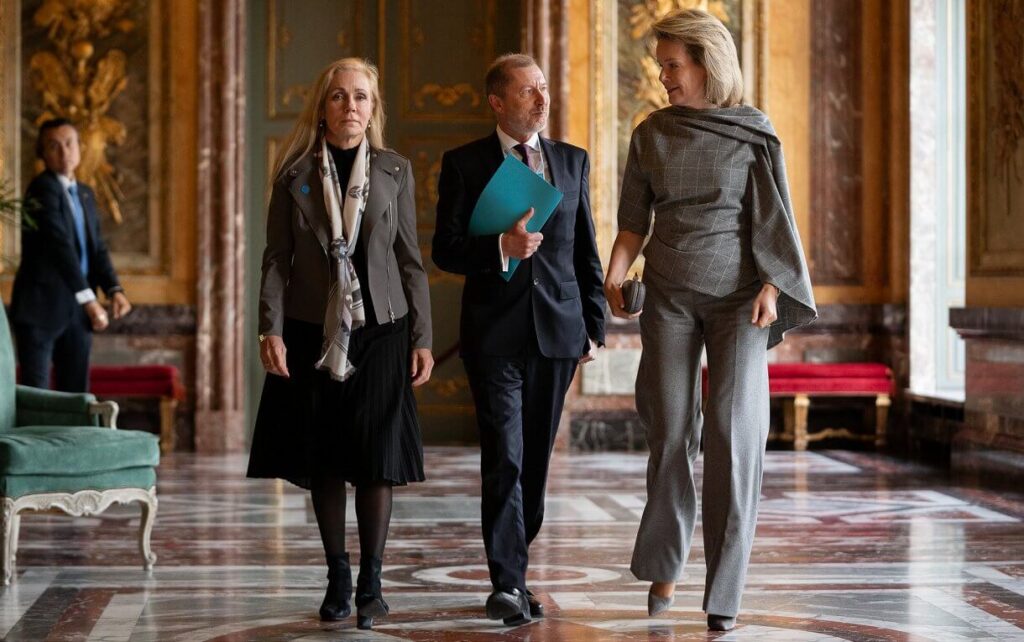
(518, 242)
(513, 190)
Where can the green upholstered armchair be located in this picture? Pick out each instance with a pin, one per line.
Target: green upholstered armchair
(62, 450)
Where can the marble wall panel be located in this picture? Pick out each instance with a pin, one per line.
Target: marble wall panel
(836, 112)
(991, 442)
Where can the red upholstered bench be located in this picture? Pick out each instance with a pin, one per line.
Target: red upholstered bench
(162, 382)
(796, 383)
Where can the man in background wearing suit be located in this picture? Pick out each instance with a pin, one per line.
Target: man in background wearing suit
(521, 340)
(63, 258)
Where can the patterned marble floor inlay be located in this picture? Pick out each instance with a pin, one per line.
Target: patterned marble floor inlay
(850, 546)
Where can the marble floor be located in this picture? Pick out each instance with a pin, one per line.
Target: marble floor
(850, 546)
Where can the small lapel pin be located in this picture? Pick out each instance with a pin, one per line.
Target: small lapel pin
(304, 189)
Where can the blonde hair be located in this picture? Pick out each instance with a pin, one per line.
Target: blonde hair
(305, 138)
(711, 46)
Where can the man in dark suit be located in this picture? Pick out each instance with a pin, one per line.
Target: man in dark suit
(63, 258)
(521, 340)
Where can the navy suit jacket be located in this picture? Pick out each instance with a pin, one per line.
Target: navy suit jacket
(556, 294)
(49, 274)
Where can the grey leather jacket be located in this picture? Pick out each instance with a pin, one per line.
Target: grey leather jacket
(296, 271)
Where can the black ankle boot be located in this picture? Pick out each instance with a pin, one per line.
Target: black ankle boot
(369, 602)
(339, 589)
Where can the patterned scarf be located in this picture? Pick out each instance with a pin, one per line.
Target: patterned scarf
(345, 310)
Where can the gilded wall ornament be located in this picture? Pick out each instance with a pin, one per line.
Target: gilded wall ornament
(76, 85)
(446, 96)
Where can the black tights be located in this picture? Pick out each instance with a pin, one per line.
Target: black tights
(373, 514)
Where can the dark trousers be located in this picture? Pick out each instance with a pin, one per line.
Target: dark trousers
(67, 347)
(518, 404)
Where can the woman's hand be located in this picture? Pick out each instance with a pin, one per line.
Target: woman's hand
(272, 354)
(613, 292)
(625, 249)
(765, 311)
(422, 365)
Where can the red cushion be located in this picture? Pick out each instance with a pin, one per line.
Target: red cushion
(837, 386)
(141, 381)
(825, 378)
(827, 370)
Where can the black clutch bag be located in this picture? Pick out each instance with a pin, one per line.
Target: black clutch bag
(633, 293)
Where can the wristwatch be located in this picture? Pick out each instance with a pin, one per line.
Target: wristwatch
(262, 337)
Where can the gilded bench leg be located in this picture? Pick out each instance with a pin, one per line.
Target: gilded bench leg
(168, 409)
(882, 403)
(788, 419)
(149, 505)
(6, 550)
(800, 405)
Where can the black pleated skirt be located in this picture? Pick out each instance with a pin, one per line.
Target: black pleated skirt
(364, 429)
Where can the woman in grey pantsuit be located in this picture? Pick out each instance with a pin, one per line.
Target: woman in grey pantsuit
(725, 272)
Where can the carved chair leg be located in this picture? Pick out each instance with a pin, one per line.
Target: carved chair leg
(6, 556)
(882, 403)
(15, 530)
(146, 530)
(800, 405)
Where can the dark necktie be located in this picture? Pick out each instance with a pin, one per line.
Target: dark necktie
(79, 215)
(528, 158)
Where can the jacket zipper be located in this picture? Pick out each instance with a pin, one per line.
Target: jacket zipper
(387, 262)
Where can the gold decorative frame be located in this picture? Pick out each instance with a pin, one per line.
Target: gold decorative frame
(277, 40)
(10, 149)
(165, 272)
(446, 97)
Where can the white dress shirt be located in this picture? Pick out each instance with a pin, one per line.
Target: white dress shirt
(507, 143)
(86, 295)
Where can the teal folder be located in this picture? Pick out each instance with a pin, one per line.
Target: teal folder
(512, 190)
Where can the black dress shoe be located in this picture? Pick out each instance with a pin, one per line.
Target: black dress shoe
(370, 603)
(721, 622)
(339, 589)
(536, 608)
(508, 605)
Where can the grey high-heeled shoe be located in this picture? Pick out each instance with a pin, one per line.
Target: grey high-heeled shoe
(721, 622)
(656, 603)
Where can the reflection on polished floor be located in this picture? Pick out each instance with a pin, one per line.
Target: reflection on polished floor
(850, 546)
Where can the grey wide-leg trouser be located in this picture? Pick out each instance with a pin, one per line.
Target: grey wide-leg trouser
(675, 325)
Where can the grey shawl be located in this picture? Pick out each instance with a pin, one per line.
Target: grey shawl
(716, 182)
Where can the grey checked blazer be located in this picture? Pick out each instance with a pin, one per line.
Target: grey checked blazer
(713, 183)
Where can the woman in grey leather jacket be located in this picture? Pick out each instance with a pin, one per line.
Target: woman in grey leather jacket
(344, 325)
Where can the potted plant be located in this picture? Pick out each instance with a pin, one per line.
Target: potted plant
(11, 207)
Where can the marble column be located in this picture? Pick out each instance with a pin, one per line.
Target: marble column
(220, 304)
(546, 38)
